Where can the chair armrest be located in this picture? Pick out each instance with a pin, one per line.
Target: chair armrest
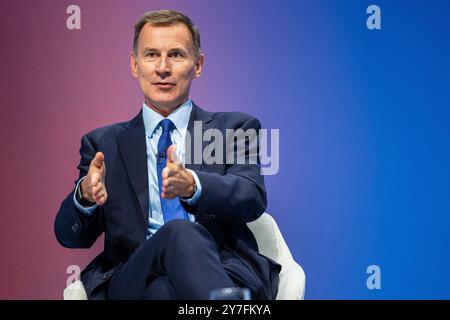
(291, 282)
(75, 291)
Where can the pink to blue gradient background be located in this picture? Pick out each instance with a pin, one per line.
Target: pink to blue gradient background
(364, 119)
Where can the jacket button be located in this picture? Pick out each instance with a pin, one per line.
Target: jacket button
(76, 226)
(107, 275)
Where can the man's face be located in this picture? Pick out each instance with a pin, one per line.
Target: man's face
(165, 65)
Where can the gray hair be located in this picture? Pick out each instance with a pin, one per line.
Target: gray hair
(166, 18)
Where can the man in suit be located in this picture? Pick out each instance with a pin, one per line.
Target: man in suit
(173, 229)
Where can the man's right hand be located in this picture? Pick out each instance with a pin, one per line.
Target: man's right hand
(93, 186)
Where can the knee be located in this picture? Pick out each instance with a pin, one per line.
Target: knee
(177, 226)
(184, 231)
(180, 226)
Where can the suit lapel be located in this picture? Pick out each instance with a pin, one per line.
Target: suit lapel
(197, 114)
(133, 148)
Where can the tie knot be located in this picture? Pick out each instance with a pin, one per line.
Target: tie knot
(167, 126)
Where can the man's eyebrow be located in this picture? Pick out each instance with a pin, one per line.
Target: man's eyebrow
(149, 49)
(177, 49)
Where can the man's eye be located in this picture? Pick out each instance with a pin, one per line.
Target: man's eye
(150, 54)
(176, 55)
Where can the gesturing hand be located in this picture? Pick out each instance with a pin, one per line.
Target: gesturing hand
(177, 181)
(93, 186)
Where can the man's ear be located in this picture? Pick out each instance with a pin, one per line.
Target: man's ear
(199, 65)
(133, 65)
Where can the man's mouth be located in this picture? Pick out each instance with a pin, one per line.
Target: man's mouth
(164, 85)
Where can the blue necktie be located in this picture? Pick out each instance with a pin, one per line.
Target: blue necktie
(171, 208)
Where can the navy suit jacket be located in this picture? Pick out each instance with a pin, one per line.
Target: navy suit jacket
(232, 195)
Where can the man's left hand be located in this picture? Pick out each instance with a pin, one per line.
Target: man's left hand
(177, 181)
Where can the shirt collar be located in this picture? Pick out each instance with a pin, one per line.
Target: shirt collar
(180, 118)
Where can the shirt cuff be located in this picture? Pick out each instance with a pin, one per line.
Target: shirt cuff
(194, 199)
(85, 210)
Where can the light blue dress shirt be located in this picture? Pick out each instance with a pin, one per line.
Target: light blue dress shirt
(180, 118)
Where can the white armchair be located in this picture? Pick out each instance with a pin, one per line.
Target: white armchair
(270, 243)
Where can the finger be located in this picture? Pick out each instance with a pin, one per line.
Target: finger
(169, 190)
(174, 188)
(167, 181)
(166, 195)
(168, 172)
(172, 155)
(97, 191)
(97, 185)
(96, 197)
(103, 196)
(174, 185)
(165, 172)
(99, 195)
(98, 160)
(100, 200)
(95, 178)
(172, 170)
(172, 166)
(169, 186)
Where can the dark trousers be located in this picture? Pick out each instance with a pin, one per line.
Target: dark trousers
(180, 261)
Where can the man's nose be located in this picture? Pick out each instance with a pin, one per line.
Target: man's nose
(163, 67)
